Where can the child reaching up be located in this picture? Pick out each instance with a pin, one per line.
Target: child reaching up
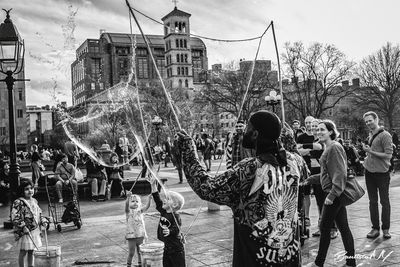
(27, 220)
(169, 226)
(135, 229)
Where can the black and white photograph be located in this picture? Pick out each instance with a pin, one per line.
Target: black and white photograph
(178, 133)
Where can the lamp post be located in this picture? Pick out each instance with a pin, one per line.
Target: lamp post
(157, 121)
(12, 52)
(273, 99)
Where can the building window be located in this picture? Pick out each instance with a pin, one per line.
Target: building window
(20, 113)
(177, 58)
(123, 66)
(180, 83)
(161, 68)
(3, 114)
(159, 52)
(182, 60)
(181, 43)
(124, 50)
(185, 43)
(101, 85)
(186, 58)
(3, 131)
(143, 71)
(197, 68)
(93, 86)
(20, 94)
(179, 71)
(95, 68)
(141, 52)
(177, 43)
(186, 71)
(186, 83)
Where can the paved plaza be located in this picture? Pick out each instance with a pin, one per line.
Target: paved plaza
(209, 241)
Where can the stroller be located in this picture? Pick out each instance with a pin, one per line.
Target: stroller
(66, 212)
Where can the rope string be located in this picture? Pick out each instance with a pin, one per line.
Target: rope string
(200, 36)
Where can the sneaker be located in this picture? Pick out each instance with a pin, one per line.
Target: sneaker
(316, 233)
(60, 200)
(101, 198)
(307, 222)
(374, 233)
(386, 234)
(94, 198)
(334, 234)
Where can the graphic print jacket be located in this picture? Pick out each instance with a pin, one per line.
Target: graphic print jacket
(263, 198)
(172, 242)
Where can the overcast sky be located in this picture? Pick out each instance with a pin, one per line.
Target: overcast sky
(53, 29)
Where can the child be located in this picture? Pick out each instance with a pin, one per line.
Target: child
(115, 174)
(27, 220)
(135, 229)
(169, 227)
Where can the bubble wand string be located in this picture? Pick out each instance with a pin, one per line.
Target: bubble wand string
(167, 95)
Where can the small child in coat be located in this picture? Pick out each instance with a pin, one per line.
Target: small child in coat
(169, 226)
(27, 219)
(135, 228)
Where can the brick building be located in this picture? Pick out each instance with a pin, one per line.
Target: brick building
(102, 63)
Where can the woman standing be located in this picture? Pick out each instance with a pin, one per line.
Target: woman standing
(333, 179)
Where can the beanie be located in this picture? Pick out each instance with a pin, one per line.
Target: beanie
(267, 124)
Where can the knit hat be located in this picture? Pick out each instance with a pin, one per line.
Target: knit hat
(267, 124)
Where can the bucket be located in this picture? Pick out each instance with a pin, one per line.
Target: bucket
(49, 258)
(152, 254)
(213, 206)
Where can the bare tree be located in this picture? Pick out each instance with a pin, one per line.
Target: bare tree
(227, 88)
(380, 77)
(316, 73)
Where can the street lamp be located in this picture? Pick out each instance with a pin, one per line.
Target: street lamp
(272, 99)
(12, 52)
(157, 121)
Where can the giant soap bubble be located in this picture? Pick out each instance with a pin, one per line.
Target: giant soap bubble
(107, 124)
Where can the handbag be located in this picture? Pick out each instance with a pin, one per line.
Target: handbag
(353, 190)
(78, 175)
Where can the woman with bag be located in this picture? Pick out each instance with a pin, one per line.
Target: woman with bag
(333, 178)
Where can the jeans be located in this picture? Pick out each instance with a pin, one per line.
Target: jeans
(60, 185)
(335, 212)
(378, 182)
(320, 196)
(95, 182)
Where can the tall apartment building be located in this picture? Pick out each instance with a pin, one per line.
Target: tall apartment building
(102, 63)
(19, 113)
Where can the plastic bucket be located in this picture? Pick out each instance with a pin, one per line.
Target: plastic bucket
(213, 206)
(51, 258)
(152, 254)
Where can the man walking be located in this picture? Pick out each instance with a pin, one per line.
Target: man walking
(377, 174)
(235, 152)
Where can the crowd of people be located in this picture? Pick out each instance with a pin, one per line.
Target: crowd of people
(272, 170)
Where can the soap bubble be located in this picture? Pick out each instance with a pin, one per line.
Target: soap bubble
(106, 124)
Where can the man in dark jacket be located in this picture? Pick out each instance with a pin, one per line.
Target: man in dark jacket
(261, 191)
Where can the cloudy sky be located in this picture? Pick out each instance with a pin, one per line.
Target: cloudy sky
(53, 29)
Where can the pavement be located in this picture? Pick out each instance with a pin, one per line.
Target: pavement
(210, 238)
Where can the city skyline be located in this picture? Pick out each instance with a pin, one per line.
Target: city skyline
(53, 30)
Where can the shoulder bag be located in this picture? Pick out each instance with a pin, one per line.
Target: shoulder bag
(353, 190)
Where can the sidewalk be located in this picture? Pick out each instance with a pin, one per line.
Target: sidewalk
(209, 242)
